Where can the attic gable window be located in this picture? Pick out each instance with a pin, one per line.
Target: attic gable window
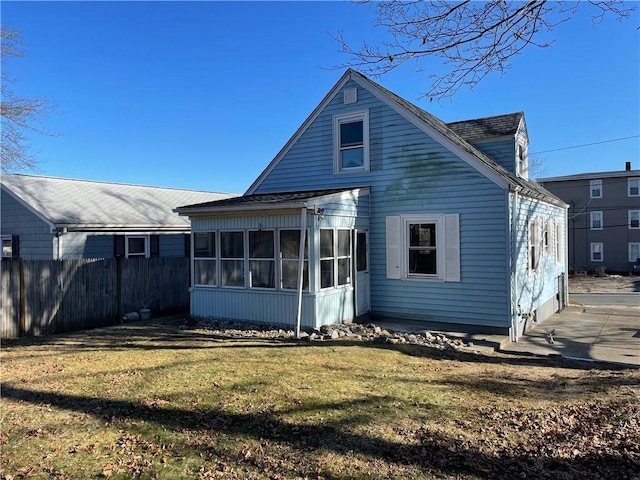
(351, 142)
(523, 162)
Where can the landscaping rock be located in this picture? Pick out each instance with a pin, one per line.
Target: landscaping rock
(342, 332)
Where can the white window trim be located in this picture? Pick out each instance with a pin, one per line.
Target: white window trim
(522, 160)
(534, 240)
(630, 182)
(245, 262)
(592, 184)
(249, 259)
(281, 259)
(558, 242)
(447, 247)
(346, 118)
(592, 250)
(146, 245)
(630, 214)
(634, 246)
(593, 216)
(4, 238)
(547, 228)
(207, 259)
(335, 259)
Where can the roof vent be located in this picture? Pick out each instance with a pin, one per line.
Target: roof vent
(350, 96)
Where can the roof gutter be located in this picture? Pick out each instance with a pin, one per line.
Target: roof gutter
(79, 227)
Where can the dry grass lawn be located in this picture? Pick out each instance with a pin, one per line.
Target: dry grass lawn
(151, 400)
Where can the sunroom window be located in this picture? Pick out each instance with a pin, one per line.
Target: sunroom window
(262, 261)
(232, 259)
(204, 258)
(289, 259)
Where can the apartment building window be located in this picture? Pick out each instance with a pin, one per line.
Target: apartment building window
(597, 254)
(596, 220)
(595, 189)
(633, 187)
(634, 251)
(634, 219)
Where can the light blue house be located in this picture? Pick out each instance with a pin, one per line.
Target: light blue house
(399, 215)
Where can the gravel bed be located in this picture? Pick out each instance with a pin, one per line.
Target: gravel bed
(346, 331)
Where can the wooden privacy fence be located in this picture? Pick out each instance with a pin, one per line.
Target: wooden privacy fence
(42, 297)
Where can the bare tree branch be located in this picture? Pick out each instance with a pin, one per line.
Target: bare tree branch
(19, 114)
(474, 39)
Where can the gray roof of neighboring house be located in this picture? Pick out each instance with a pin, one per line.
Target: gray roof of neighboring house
(265, 201)
(487, 127)
(86, 204)
(592, 176)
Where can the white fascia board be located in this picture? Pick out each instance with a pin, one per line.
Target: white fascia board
(303, 128)
(121, 228)
(204, 211)
(30, 208)
(437, 136)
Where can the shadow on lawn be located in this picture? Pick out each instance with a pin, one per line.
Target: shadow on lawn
(430, 449)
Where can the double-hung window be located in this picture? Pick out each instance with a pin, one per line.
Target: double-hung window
(595, 189)
(351, 142)
(634, 219)
(596, 220)
(204, 258)
(232, 259)
(422, 249)
(523, 163)
(289, 260)
(633, 187)
(262, 263)
(634, 251)
(534, 244)
(559, 243)
(597, 252)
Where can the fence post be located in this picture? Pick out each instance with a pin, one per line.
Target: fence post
(119, 286)
(23, 320)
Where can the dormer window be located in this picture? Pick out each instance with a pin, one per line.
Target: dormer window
(351, 142)
(523, 162)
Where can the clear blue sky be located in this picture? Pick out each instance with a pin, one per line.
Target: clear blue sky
(203, 95)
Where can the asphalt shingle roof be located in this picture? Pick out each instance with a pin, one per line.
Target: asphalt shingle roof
(67, 202)
(487, 127)
(267, 199)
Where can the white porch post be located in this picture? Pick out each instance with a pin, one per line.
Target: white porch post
(303, 230)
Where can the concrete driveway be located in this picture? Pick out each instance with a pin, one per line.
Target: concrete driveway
(598, 333)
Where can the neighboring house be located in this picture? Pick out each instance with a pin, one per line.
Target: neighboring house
(56, 218)
(399, 215)
(604, 218)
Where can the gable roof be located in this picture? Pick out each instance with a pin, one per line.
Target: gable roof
(93, 205)
(432, 126)
(488, 127)
(270, 201)
(591, 176)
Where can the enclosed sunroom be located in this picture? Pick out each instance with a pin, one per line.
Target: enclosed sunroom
(247, 263)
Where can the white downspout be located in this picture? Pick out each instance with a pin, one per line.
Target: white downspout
(514, 268)
(303, 230)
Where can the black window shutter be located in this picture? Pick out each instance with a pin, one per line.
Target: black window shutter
(187, 245)
(15, 246)
(118, 246)
(154, 246)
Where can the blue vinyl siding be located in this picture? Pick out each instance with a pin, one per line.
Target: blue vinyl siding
(413, 174)
(536, 289)
(86, 245)
(503, 152)
(172, 245)
(36, 239)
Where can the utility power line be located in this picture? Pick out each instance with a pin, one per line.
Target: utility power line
(586, 144)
